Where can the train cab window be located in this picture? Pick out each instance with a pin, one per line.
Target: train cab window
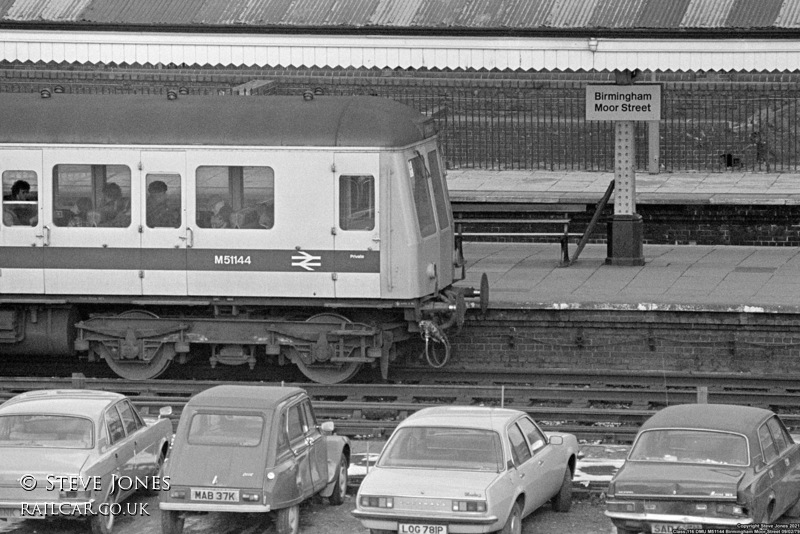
(92, 196)
(357, 202)
(20, 198)
(439, 194)
(235, 198)
(422, 195)
(163, 202)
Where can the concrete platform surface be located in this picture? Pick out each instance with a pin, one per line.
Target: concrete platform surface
(674, 278)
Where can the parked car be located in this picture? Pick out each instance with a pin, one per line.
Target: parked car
(252, 449)
(80, 450)
(698, 466)
(447, 470)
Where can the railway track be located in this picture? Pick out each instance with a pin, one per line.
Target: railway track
(607, 406)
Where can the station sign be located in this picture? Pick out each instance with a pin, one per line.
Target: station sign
(636, 102)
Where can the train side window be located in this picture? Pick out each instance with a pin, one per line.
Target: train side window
(163, 202)
(92, 196)
(238, 198)
(20, 198)
(357, 202)
(439, 194)
(422, 195)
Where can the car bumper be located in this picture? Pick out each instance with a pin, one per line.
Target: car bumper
(206, 507)
(455, 525)
(680, 519)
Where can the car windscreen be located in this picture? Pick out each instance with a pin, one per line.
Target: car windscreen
(52, 431)
(237, 430)
(443, 448)
(690, 446)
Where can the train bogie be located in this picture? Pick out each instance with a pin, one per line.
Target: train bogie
(210, 221)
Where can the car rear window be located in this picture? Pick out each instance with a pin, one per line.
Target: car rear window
(227, 429)
(690, 446)
(445, 448)
(51, 431)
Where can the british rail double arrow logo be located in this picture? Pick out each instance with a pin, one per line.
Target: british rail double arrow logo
(306, 261)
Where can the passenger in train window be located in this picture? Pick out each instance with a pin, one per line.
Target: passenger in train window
(83, 214)
(266, 217)
(116, 210)
(222, 215)
(20, 214)
(160, 213)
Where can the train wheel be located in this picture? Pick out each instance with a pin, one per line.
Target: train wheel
(139, 369)
(328, 372)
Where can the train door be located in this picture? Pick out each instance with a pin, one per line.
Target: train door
(91, 225)
(429, 251)
(260, 223)
(164, 237)
(357, 240)
(21, 238)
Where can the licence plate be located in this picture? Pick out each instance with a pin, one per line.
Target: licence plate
(416, 528)
(666, 528)
(214, 495)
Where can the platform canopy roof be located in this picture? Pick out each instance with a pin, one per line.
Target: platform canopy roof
(662, 35)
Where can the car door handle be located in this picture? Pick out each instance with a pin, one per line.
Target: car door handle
(521, 474)
(541, 462)
(787, 462)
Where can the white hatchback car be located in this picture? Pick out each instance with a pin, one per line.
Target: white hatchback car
(460, 469)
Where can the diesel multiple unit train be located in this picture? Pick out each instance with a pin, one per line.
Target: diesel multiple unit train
(142, 230)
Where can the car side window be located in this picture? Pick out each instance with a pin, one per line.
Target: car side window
(129, 421)
(296, 423)
(116, 430)
(782, 440)
(768, 447)
(535, 436)
(310, 419)
(519, 447)
(283, 438)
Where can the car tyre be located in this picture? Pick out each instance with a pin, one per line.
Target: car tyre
(287, 520)
(340, 482)
(562, 502)
(514, 522)
(100, 523)
(153, 482)
(171, 522)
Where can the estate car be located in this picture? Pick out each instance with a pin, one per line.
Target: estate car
(243, 449)
(696, 466)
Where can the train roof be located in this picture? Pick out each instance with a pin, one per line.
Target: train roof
(324, 121)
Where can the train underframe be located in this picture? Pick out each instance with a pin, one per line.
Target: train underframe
(329, 344)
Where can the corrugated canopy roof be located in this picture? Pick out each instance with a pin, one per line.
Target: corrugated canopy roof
(519, 15)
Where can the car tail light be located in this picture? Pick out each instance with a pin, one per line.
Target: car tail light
(469, 506)
(178, 494)
(621, 506)
(251, 497)
(730, 509)
(377, 502)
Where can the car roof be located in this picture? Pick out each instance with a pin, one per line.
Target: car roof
(484, 417)
(725, 417)
(86, 402)
(235, 396)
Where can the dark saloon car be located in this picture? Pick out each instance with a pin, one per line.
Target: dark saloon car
(252, 449)
(697, 466)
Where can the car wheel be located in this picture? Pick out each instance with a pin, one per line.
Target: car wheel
(562, 502)
(171, 522)
(287, 520)
(339, 483)
(153, 484)
(514, 522)
(103, 521)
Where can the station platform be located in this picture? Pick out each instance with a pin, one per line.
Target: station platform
(726, 188)
(726, 278)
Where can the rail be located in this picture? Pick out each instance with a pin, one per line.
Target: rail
(611, 413)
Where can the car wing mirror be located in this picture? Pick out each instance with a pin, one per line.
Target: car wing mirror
(164, 411)
(327, 427)
(556, 440)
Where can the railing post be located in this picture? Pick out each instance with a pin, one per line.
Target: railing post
(702, 394)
